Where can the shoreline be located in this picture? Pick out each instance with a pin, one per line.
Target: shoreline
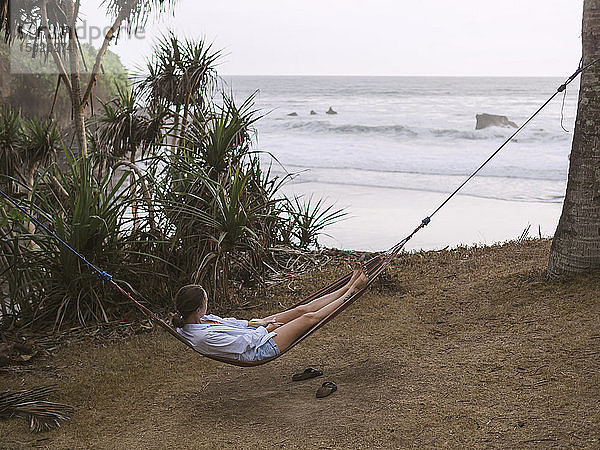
(379, 217)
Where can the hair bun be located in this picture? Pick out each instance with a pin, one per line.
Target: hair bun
(177, 321)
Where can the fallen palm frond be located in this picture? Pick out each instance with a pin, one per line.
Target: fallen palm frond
(29, 404)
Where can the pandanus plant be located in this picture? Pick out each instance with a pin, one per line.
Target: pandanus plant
(123, 127)
(309, 217)
(180, 75)
(25, 144)
(42, 142)
(125, 131)
(220, 135)
(89, 214)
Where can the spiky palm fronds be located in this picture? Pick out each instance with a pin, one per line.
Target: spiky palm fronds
(23, 18)
(309, 218)
(89, 219)
(161, 84)
(139, 11)
(25, 144)
(181, 73)
(124, 127)
(42, 141)
(31, 405)
(220, 135)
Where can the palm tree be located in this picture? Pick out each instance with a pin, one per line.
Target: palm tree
(54, 22)
(40, 145)
(576, 244)
(126, 128)
(181, 74)
(24, 146)
(42, 141)
(221, 135)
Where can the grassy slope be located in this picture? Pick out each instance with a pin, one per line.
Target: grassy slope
(471, 347)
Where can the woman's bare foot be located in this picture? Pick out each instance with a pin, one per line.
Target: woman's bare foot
(355, 273)
(361, 281)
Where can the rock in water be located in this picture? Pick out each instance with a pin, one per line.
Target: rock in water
(330, 111)
(312, 112)
(492, 120)
(293, 114)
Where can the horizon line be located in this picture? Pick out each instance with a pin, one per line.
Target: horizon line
(390, 76)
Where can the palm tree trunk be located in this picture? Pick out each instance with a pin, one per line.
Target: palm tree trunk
(30, 225)
(78, 105)
(176, 129)
(576, 244)
(134, 209)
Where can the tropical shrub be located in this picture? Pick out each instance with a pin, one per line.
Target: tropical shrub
(91, 216)
(172, 193)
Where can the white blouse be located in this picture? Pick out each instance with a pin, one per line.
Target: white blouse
(229, 338)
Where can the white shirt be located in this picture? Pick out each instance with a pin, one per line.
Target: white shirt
(230, 337)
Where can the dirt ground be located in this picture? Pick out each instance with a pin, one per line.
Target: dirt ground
(468, 348)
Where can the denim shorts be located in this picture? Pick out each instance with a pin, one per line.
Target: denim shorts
(267, 350)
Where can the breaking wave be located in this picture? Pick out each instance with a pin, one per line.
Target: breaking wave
(402, 131)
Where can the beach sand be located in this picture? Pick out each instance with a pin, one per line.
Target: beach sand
(380, 217)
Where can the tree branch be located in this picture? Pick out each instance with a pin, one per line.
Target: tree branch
(59, 188)
(123, 14)
(52, 48)
(145, 191)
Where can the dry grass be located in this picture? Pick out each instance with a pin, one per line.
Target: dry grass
(465, 348)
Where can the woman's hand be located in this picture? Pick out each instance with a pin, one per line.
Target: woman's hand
(272, 323)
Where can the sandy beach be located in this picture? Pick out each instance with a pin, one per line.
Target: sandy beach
(379, 217)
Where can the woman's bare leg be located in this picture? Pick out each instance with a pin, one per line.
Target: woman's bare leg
(316, 304)
(289, 332)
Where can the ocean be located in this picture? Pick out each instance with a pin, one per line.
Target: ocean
(399, 145)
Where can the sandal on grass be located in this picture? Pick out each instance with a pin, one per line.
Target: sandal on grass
(327, 388)
(308, 373)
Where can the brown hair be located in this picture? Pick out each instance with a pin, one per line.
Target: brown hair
(187, 300)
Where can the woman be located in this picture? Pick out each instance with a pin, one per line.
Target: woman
(253, 340)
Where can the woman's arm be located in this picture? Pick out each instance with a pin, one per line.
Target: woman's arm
(234, 322)
(272, 323)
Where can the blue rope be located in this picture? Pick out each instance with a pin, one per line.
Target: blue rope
(103, 275)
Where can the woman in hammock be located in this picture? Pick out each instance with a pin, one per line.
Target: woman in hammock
(256, 339)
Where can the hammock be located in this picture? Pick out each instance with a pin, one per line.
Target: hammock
(374, 267)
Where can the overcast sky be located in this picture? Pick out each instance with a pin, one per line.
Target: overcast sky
(373, 37)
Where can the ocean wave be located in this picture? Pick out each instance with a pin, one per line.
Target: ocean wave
(498, 188)
(502, 173)
(322, 126)
(489, 194)
(402, 131)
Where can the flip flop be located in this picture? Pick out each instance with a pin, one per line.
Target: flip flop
(308, 373)
(327, 388)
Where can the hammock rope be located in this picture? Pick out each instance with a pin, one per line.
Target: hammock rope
(374, 267)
